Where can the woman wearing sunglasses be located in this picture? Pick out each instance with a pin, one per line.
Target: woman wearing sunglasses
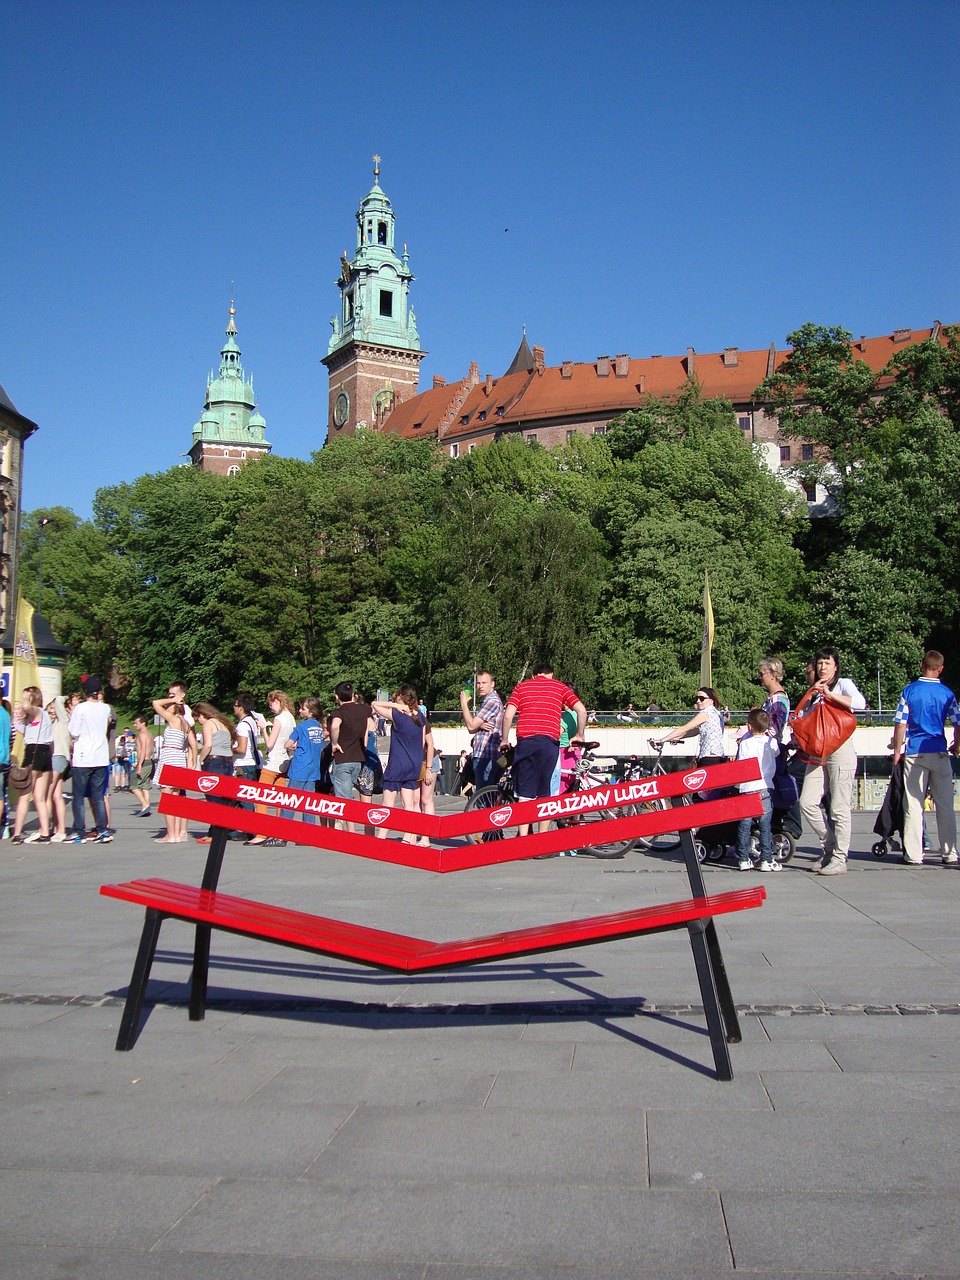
(707, 723)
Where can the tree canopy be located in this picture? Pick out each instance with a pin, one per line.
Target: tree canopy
(379, 560)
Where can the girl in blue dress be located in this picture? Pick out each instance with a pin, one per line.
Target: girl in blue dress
(411, 752)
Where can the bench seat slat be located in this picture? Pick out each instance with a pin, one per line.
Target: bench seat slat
(398, 951)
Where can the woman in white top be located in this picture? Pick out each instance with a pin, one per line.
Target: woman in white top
(708, 726)
(34, 723)
(277, 761)
(837, 773)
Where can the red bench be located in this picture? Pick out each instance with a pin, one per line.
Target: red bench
(209, 909)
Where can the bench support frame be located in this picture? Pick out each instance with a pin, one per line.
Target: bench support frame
(723, 1025)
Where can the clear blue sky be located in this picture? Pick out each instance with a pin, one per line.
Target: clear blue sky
(636, 177)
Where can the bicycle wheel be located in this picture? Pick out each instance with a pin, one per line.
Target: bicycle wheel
(490, 797)
(664, 842)
(612, 848)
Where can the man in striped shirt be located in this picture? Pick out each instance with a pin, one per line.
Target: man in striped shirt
(485, 727)
(537, 705)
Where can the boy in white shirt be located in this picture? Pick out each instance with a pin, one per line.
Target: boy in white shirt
(758, 744)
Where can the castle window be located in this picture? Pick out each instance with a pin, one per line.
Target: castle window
(454, 451)
(806, 452)
(470, 448)
(570, 435)
(386, 302)
(465, 419)
(601, 430)
(810, 491)
(233, 471)
(532, 438)
(348, 303)
(784, 453)
(370, 231)
(482, 415)
(743, 421)
(501, 410)
(381, 233)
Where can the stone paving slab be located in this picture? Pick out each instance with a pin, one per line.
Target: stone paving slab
(57, 1207)
(898, 1231)
(187, 1137)
(876, 1092)
(330, 1121)
(506, 1225)
(516, 1148)
(78, 1263)
(792, 1151)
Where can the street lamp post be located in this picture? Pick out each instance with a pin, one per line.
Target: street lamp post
(879, 696)
(44, 521)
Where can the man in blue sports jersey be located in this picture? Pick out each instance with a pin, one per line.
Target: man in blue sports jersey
(926, 708)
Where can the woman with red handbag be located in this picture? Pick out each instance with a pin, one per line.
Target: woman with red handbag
(823, 726)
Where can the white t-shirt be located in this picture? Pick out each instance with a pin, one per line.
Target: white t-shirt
(39, 730)
(277, 754)
(88, 728)
(247, 729)
(759, 746)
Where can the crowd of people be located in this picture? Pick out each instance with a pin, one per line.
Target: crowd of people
(304, 748)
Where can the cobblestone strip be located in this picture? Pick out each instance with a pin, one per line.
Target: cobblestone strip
(553, 1009)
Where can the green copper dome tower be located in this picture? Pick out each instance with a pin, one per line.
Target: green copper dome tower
(231, 430)
(374, 355)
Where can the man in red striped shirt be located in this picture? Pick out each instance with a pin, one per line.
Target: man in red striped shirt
(538, 702)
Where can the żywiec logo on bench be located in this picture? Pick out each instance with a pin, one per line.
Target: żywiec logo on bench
(501, 817)
(694, 781)
(376, 816)
(208, 782)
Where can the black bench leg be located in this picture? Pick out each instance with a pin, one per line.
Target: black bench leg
(694, 870)
(201, 966)
(727, 1007)
(138, 980)
(211, 872)
(711, 1003)
(201, 945)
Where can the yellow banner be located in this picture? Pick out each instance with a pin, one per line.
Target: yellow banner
(25, 669)
(706, 648)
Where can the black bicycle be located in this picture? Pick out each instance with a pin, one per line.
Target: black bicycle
(587, 774)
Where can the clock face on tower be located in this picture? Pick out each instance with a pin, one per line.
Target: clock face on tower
(341, 409)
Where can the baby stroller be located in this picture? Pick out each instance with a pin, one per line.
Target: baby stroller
(889, 823)
(712, 843)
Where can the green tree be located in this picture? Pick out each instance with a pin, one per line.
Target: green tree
(689, 496)
(822, 392)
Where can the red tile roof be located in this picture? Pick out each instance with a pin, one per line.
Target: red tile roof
(518, 400)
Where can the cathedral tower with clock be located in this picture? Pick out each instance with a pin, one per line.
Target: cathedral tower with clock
(374, 355)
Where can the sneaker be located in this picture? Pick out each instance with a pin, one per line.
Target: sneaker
(835, 867)
(79, 839)
(949, 859)
(772, 866)
(102, 837)
(57, 838)
(34, 836)
(909, 862)
(17, 840)
(747, 865)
